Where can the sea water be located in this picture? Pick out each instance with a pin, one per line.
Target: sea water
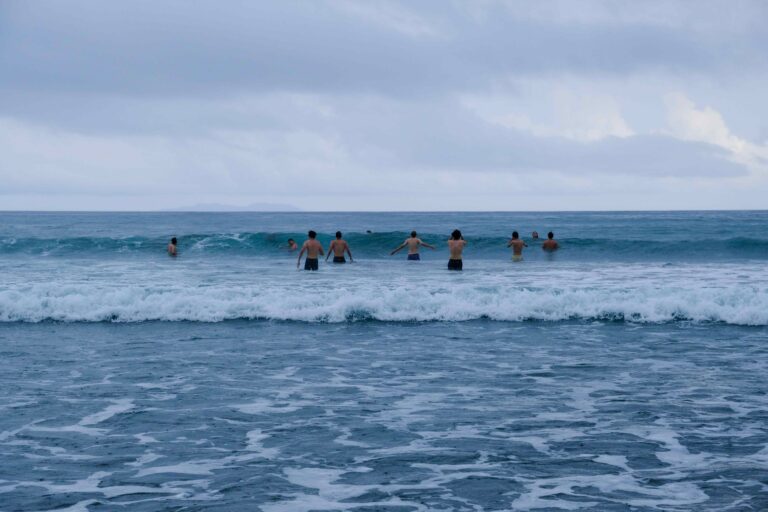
(626, 371)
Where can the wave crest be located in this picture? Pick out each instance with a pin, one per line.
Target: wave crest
(88, 303)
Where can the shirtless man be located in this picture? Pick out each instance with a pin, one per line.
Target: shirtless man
(172, 247)
(456, 245)
(550, 244)
(413, 244)
(292, 245)
(517, 247)
(338, 247)
(312, 248)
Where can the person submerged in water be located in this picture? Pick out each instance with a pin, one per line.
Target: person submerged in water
(338, 247)
(517, 247)
(456, 246)
(313, 248)
(292, 245)
(550, 244)
(413, 244)
(172, 247)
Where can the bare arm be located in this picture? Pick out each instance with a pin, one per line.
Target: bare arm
(398, 248)
(301, 253)
(425, 244)
(346, 246)
(330, 250)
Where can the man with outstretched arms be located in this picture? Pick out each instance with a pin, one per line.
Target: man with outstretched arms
(413, 244)
(456, 246)
(338, 247)
(313, 249)
(517, 247)
(550, 244)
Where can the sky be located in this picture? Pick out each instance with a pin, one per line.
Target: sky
(384, 105)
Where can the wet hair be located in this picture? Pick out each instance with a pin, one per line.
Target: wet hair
(456, 235)
(550, 235)
(338, 234)
(173, 240)
(291, 240)
(413, 234)
(311, 234)
(515, 234)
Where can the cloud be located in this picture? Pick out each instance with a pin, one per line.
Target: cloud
(686, 122)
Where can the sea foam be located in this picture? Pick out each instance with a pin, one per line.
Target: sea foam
(739, 305)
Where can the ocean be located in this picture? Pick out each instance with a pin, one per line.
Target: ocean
(624, 372)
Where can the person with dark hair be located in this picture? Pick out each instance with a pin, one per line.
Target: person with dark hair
(292, 245)
(172, 247)
(535, 235)
(313, 248)
(550, 244)
(413, 244)
(456, 246)
(517, 247)
(338, 247)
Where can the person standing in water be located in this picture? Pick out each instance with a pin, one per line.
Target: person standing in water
(550, 244)
(172, 247)
(517, 247)
(456, 246)
(313, 248)
(413, 244)
(338, 247)
(292, 245)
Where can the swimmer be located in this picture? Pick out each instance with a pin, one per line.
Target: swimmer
(338, 247)
(312, 248)
(172, 247)
(292, 245)
(456, 246)
(535, 235)
(413, 244)
(550, 244)
(517, 247)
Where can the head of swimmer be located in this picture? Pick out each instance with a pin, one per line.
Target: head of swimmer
(413, 234)
(456, 235)
(550, 235)
(338, 235)
(515, 235)
(173, 240)
(311, 234)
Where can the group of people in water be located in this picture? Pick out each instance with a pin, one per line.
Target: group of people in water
(340, 248)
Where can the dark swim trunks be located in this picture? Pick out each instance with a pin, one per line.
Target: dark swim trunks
(339, 259)
(310, 264)
(414, 257)
(455, 265)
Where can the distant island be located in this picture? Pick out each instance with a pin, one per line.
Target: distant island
(253, 207)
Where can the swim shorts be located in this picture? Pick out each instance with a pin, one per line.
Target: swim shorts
(414, 257)
(310, 264)
(455, 264)
(517, 257)
(339, 259)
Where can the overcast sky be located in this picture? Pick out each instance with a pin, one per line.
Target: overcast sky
(384, 105)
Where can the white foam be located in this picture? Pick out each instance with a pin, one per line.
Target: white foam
(732, 294)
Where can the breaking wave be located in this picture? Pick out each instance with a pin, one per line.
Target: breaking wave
(738, 305)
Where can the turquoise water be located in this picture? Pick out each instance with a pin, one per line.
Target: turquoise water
(625, 372)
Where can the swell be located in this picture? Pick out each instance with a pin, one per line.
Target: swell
(737, 305)
(379, 244)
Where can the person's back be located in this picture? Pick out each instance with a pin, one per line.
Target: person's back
(456, 248)
(338, 247)
(413, 243)
(172, 247)
(517, 247)
(550, 244)
(314, 249)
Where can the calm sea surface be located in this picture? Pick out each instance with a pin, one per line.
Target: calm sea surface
(625, 372)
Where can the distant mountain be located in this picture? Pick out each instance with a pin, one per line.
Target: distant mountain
(253, 207)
